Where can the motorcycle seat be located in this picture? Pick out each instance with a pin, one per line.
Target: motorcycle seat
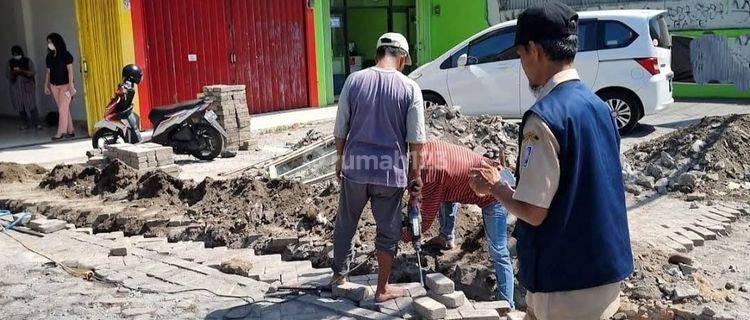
(158, 114)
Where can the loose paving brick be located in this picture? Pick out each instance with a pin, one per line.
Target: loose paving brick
(480, 314)
(516, 315)
(429, 308)
(501, 306)
(47, 226)
(414, 289)
(685, 242)
(353, 291)
(439, 283)
(450, 300)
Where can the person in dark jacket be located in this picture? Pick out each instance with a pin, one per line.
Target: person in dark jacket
(20, 73)
(573, 240)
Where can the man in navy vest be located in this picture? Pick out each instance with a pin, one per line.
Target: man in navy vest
(573, 241)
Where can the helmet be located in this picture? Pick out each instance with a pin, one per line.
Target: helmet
(132, 73)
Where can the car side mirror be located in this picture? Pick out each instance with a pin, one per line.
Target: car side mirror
(463, 60)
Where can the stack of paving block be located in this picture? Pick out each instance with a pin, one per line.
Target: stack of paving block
(144, 157)
(439, 300)
(230, 104)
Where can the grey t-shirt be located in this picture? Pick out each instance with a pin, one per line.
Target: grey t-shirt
(379, 112)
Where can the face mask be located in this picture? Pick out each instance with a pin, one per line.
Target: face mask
(18, 57)
(51, 46)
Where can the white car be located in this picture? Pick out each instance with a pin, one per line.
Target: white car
(623, 55)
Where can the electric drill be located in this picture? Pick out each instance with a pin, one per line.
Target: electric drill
(414, 228)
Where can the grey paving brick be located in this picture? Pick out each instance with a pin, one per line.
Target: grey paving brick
(429, 308)
(703, 232)
(450, 300)
(353, 291)
(414, 289)
(480, 314)
(501, 306)
(439, 283)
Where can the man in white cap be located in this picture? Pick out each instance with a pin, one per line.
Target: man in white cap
(379, 129)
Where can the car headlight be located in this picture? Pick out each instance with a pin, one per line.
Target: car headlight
(415, 75)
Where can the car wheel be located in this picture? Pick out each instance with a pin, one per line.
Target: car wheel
(432, 100)
(624, 107)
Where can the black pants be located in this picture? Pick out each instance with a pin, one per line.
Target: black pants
(30, 119)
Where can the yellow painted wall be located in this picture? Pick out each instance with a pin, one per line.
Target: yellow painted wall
(105, 35)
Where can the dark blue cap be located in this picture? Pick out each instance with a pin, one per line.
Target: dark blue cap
(547, 21)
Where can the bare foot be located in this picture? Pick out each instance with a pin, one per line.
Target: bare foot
(391, 292)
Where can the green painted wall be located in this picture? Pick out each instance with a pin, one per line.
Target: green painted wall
(456, 21)
(709, 91)
(365, 26)
(324, 53)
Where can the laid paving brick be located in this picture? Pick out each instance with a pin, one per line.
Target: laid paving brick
(685, 242)
(716, 217)
(703, 232)
(480, 314)
(712, 226)
(111, 235)
(501, 306)
(438, 283)
(353, 291)
(429, 308)
(453, 314)
(696, 238)
(729, 216)
(450, 300)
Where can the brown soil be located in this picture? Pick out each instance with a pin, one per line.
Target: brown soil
(16, 173)
(74, 180)
(253, 210)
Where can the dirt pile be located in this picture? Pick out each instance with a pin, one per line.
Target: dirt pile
(710, 158)
(75, 180)
(14, 173)
(248, 208)
(160, 187)
(486, 135)
(71, 180)
(312, 136)
(115, 177)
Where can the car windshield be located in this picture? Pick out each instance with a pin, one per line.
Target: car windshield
(659, 32)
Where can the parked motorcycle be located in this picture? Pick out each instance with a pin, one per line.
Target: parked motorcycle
(188, 127)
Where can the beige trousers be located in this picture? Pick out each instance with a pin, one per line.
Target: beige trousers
(586, 304)
(65, 121)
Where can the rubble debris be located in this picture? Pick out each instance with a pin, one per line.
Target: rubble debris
(711, 157)
(17, 173)
(485, 134)
(678, 258)
(158, 185)
(310, 137)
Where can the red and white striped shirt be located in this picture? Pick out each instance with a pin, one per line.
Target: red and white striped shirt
(445, 177)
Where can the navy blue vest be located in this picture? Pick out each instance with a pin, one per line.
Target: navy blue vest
(584, 241)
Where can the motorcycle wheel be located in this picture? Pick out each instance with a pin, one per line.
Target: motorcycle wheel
(104, 137)
(210, 142)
